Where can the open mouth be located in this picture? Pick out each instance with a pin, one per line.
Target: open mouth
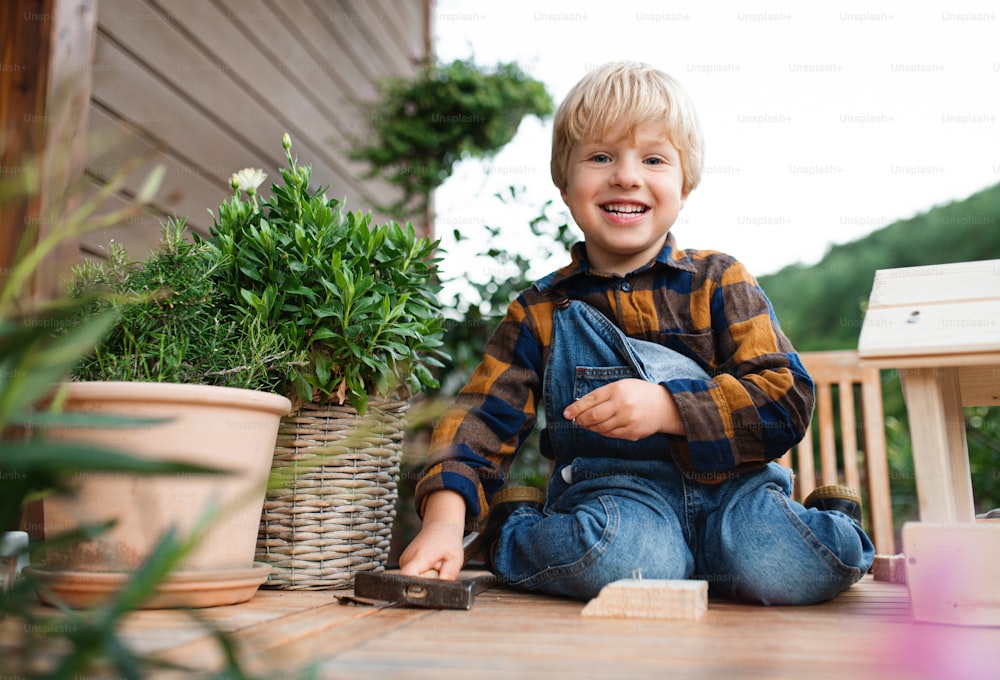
(624, 209)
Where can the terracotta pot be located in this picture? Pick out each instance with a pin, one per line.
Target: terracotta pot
(220, 427)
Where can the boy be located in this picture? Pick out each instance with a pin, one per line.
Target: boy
(668, 389)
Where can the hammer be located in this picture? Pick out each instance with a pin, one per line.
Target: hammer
(425, 591)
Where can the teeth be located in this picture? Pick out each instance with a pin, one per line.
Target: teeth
(625, 209)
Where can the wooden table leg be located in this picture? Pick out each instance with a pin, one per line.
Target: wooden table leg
(940, 451)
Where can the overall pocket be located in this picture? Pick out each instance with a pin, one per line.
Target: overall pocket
(591, 444)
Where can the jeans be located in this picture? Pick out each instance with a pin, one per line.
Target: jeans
(617, 509)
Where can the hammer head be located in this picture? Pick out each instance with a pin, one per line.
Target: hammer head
(417, 591)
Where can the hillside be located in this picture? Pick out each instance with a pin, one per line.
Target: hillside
(821, 306)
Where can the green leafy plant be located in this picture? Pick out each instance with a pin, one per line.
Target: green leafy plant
(172, 322)
(421, 126)
(358, 299)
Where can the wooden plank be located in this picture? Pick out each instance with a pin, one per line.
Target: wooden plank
(27, 40)
(279, 643)
(340, 22)
(48, 46)
(940, 456)
(924, 329)
(362, 35)
(332, 640)
(827, 438)
(130, 91)
(376, 26)
(413, 13)
(69, 86)
(889, 567)
(405, 31)
(184, 636)
(517, 640)
(980, 385)
(252, 121)
(971, 361)
(216, 80)
(514, 634)
(879, 501)
(355, 24)
(349, 82)
(349, 86)
(951, 572)
(270, 32)
(150, 37)
(805, 481)
(187, 190)
(225, 40)
(848, 434)
(933, 310)
(832, 366)
(937, 283)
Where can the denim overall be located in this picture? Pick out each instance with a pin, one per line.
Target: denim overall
(618, 509)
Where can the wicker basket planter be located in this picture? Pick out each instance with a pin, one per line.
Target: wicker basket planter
(332, 502)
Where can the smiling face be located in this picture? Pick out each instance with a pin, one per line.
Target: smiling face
(624, 193)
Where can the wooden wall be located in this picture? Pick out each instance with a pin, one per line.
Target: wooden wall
(207, 87)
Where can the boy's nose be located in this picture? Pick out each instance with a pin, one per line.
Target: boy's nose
(625, 175)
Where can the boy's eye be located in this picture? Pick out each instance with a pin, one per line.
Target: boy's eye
(600, 158)
(655, 161)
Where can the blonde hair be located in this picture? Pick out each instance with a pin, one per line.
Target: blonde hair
(629, 94)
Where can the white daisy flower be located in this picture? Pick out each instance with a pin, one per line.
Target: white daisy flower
(248, 179)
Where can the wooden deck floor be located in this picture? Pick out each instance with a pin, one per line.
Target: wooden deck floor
(867, 632)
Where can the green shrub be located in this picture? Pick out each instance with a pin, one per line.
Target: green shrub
(358, 300)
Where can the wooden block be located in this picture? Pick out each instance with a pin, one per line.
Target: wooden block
(951, 572)
(890, 568)
(650, 599)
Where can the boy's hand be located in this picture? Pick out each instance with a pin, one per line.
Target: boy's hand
(629, 409)
(438, 546)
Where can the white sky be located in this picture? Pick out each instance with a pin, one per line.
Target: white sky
(822, 122)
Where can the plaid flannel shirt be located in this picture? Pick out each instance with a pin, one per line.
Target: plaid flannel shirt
(704, 304)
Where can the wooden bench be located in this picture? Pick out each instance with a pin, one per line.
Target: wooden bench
(849, 395)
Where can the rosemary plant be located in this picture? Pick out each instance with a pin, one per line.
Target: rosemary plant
(173, 323)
